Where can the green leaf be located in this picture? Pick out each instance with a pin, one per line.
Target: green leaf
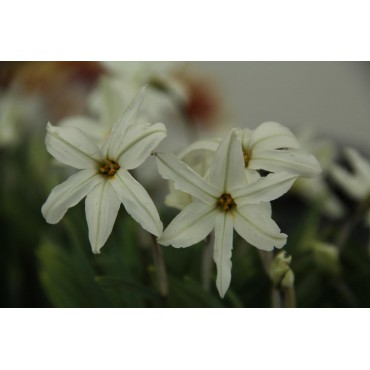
(186, 292)
(64, 282)
(129, 288)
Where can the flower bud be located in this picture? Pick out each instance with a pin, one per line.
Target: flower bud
(280, 271)
(327, 257)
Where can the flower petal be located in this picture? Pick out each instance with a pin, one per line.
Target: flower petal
(349, 183)
(89, 126)
(71, 146)
(177, 198)
(139, 142)
(68, 194)
(272, 135)
(292, 161)
(185, 179)
(245, 137)
(119, 129)
(190, 226)
(253, 225)
(101, 207)
(206, 144)
(360, 165)
(137, 202)
(227, 168)
(111, 107)
(223, 250)
(264, 189)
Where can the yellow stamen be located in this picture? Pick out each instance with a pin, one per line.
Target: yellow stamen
(109, 168)
(226, 202)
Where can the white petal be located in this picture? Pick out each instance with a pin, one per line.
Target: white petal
(90, 127)
(292, 161)
(223, 250)
(245, 138)
(272, 135)
(185, 179)
(251, 175)
(359, 164)
(190, 226)
(206, 144)
(137, 202)
(349, 183)
(139, 142)
(253, 225)
(71, 146)
(264, 189)
(125, 121)
(111, 102)
(317, 190)
(177, 198)
(101, 207)
(227, 169)
(68, 194)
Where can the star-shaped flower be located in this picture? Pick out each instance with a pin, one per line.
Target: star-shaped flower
(104, 177)
(222, 201)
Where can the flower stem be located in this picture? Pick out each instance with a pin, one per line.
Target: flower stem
(160, 268)
(289, 297)
(207, 263)
(267, 258)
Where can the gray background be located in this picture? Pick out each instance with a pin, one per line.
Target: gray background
(331, 97)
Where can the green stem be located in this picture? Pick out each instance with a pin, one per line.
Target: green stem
(289, 297)
(351, 223)
(267, 258)
(160, 268)
(207, 263)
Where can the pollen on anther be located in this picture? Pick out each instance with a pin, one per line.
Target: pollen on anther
(109, 168)
(226, 202)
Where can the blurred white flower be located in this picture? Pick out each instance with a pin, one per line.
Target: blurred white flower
(317, 189)
(18, 114)
(221, 202)
(104, 178)
(125, 78)
(357, 183)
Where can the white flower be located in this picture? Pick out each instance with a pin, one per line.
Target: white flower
(221, 202)
(357, 183)
(317, 189)
(270, 147)
(104, 178)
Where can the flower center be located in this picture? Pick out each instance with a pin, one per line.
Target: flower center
(226, 202)
(109, 168)
(247, 155)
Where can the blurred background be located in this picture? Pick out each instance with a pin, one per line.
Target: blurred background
(324, 103)
(331, 97)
